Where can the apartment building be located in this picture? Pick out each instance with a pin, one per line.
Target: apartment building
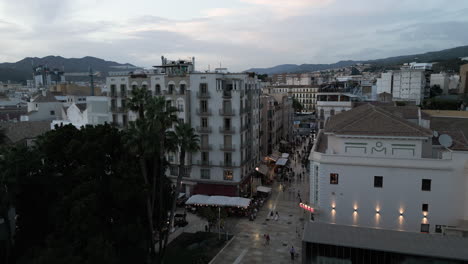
(305, 94)
(276, 122)
(222, 107)
(385, 83)
(411, 84)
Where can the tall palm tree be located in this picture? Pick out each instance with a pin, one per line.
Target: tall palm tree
(183, 139)
(146, 138)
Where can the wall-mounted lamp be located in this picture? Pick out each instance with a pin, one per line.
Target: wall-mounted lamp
(401, 213)
(377, 211)
(355, 210)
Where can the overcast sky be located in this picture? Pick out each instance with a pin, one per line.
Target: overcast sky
(238, 33)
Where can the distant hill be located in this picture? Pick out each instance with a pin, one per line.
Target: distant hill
(21, 71)
(435, 56)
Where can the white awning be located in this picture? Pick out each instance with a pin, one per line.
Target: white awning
(181, 195)
(285, 155)
(199, 199)
(281, 161)
(263, 189)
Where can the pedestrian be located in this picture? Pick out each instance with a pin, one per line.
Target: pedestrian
(292, 252)
(300, 176)
(276, 216)
(267, 239)
(206, 228)
(271, 215)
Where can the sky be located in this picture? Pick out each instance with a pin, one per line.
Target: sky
(238, 34)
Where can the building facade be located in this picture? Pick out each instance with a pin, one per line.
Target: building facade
(304, 94)
(411, 85)
(382, 168)
(224, 109)
(464, 79)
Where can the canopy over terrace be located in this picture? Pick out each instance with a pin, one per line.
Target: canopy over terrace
(218, 201)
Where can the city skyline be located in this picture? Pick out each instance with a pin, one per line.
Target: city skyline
(239, 34)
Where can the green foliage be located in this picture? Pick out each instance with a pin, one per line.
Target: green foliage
(435, 91)
(440, 104)
(297, 105)
(77, 197)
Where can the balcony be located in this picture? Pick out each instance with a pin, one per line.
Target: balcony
(227, 112)
(204, 163)
(205, 95)
(203, 112)
(203, 129)
(227, 130)
(231, 147)
(205, 147)
(113, 94)
(227, 164)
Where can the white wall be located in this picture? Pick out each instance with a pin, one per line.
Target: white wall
(402, 180)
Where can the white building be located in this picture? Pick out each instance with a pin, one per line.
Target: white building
(222, 107)
(410, 85)
(385, 83)
(442, 80)
(378, 167)
(331, 103)
(94, 112)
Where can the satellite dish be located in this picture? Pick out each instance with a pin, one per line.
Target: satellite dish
(435, 133)
(445, 140)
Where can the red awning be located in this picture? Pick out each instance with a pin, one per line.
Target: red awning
(215, 189)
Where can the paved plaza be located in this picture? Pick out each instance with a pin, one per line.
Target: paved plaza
(248, 245)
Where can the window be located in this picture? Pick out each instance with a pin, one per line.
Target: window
(426, 185)
(333, 178)
(158, 89)
(438, 229)
(180, 107)
(228, 175)
(204, 106)
(171, 89)
(112, 88)
(182, 89)
(204, 122)
(204, 141)
(52, 112)
(205, 174)
(227, 123)
(378, 181)
(425, 207)
(123, 90)
(203, 88)
(205, 156)
(227, 159)
(181, 120)
(424, 228)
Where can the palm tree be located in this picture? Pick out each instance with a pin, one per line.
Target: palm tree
(184, 139)
(146, 138)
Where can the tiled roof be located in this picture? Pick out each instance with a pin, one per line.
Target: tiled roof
(49, 97)
(373, 120)
(17, 131)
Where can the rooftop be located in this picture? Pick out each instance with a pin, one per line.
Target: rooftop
(17, 131)
(376, 121)
(447, 113)
(428, 245)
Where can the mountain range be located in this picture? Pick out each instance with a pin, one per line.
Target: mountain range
(448, 55)
(21, 71)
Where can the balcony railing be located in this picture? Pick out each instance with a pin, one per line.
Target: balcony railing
(231, 147)
(227, 130)
(205, 95)
(227, 112)
(204, 163)
(206, 147)
(203, 129)
(227, 164)
(204, 112)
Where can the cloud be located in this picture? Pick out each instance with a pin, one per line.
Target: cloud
(239, 33)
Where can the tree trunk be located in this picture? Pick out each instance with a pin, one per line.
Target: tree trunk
(149, 209)
(177, 190)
